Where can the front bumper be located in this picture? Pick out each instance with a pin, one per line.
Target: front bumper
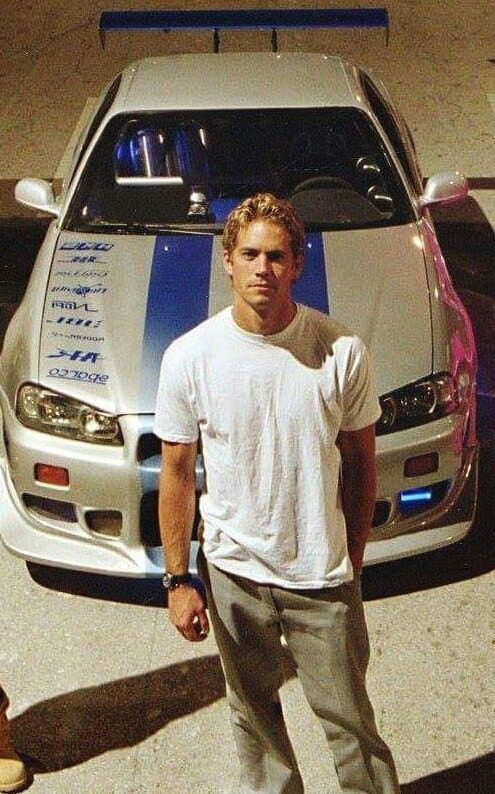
(123, 480)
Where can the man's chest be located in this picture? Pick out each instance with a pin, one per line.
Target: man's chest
(267, 391)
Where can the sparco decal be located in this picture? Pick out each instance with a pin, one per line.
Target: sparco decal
(82, 289)
(82, 273)
(77, 321)
(78, 374)
(72, 306)
(85, 246)
(77, 355)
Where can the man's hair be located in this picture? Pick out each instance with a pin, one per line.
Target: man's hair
(264, 206)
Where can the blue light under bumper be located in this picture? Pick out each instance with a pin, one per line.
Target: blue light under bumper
(414, 500)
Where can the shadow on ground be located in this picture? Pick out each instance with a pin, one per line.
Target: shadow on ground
(146, 592)
(76, 726)
(474, 777)
(71, 728)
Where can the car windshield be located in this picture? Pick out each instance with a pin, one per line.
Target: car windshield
(190, 169)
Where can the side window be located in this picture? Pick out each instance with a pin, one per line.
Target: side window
(97, 119)
(393, 133)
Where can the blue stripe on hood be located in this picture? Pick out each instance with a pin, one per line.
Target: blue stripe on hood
(178, 293)
(177, 297)
(311, 287)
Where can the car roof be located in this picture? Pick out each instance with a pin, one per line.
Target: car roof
(238, 80)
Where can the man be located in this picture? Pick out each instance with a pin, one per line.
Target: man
(285, 403)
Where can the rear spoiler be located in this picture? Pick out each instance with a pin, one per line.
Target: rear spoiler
(258, 19)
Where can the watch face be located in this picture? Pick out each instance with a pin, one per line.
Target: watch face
(171, 580)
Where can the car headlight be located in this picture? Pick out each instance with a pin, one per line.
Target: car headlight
(424, 401)
(49, 412)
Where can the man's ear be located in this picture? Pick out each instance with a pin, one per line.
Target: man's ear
(227, 262)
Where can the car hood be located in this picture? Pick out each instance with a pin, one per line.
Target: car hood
(114, 303)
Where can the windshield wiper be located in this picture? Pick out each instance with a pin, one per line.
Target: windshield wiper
(132, 227)
(186, 228)
(119, 228)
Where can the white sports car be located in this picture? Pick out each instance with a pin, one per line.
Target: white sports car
(133, 259)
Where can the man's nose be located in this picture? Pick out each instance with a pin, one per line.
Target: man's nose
(263, 263)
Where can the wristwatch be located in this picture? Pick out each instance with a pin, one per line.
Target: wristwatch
(173, 580)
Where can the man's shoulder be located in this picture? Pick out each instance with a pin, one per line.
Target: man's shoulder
(330, 330)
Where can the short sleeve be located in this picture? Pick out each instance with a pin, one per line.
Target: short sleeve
(361, 405)
(175, 418)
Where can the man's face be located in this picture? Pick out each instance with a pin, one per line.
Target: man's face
(263, 267)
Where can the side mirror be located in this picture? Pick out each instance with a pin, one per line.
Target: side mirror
(38, 194)
(444, 188)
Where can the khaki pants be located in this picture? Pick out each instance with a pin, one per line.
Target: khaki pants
(327, 638)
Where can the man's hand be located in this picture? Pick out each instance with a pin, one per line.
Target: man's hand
(187, 612)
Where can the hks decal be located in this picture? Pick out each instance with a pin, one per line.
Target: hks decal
(80, 259)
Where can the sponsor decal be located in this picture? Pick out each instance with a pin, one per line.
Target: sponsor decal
(85, 246)
(79, 337)
(77, 355)
(77, 321)
(82, 289)
(80, 259)
(98, 378)
(72, 306)
(82, 273)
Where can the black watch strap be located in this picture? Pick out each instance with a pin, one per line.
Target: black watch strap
(173, 580)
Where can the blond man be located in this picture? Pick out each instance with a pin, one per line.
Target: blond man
(285, 402)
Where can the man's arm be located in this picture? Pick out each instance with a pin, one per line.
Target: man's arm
(357, 449)
(176, 506)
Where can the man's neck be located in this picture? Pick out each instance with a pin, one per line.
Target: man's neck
(265, 324)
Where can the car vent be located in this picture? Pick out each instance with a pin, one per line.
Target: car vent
(148, 446)
(382, 513)
(41, 507)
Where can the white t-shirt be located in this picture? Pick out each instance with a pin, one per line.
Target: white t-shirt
(269, 409)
